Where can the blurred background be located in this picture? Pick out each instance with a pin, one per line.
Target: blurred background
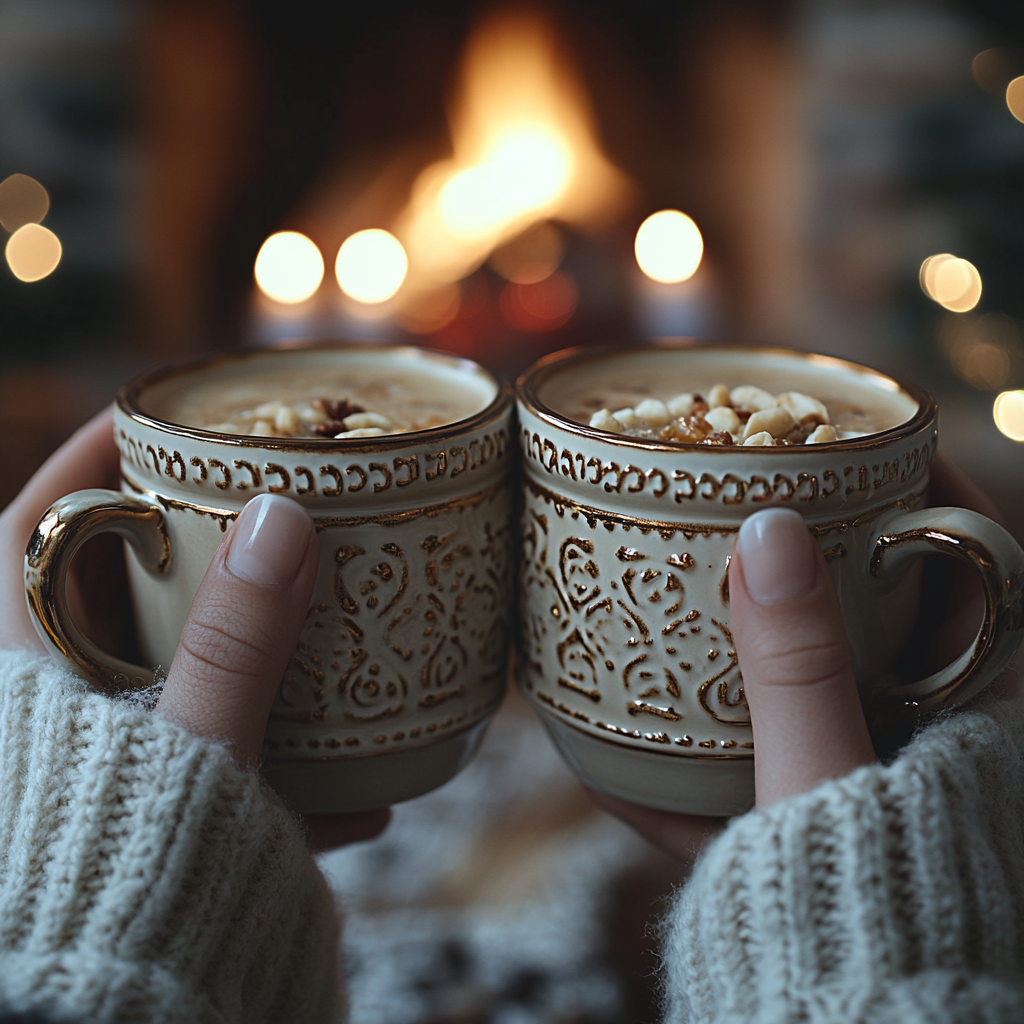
(185, 176)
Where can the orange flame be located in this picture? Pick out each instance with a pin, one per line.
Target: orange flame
(524, 150)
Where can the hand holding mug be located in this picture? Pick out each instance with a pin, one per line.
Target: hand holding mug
(790, 636)
(242, 626)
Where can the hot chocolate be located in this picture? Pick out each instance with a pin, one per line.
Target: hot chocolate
(679, 396)
(340, 393)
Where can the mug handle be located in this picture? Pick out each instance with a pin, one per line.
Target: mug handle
(64, 528)
(998, 560)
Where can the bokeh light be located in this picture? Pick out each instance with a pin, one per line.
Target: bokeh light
(543, 306)
(992, 69)
(371, 266)
(1008, 412)
(22, 201)
(1015, 98)
(952, 282)
(669, 247)
(33, 252)
(532, 256)
(289, 267)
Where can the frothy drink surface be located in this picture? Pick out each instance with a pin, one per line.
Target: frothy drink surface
(857, 402)
(322, 394)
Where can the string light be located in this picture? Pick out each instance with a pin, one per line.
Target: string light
(33, 252)
(1008, 412)
(371, 266)
(669, 247)
(289, 267)
(1015, 98)
(953, 283)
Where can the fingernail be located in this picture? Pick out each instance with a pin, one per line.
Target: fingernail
(777, 554)
(269, 541)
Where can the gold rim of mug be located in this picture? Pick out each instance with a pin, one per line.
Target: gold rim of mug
(532, 378)
(128, 401)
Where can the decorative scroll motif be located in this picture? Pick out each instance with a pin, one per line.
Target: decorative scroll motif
(611, 627)
(682, 487)
(328, 479)
(412, 637)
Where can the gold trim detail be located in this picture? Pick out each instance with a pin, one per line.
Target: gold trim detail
(65, 526)
(1004, 608)
(686, 742)
(681, 486)
(435, 730)
(668, 529)
(222, 515)
(393, 518)
(331, 522)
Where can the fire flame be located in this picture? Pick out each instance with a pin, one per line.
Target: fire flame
(524, 150)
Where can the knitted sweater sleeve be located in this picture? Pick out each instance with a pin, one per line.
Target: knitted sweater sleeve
(892, 896)
(143, 876)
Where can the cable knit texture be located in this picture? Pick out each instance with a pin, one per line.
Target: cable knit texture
(143, 875)
(892, 896)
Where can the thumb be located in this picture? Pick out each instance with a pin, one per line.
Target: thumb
(806, 712)
(243, 626)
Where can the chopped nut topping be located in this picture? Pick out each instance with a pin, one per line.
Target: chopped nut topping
(360, 420)
(718, 395)
(823, 433)
(323, 417)
(745, 415)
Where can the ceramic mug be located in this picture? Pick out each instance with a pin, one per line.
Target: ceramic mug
(626, 648)
(402, 660)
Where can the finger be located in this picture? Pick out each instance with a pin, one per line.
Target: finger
(88, 459)
(807, 717)
(681, 836)
(243, 626)
(329, 831)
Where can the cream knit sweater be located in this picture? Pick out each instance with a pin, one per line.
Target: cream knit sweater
(143, 876)
(892, 896)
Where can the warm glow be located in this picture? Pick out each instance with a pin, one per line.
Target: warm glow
(430, 311)
(533, 256)
(289, 267)
(543, 306)
(22, 201)
(951, 282)
(1015, 98)
(33, 252)
(980, 347)
(371, 265)
(528, 170)
(524, 150)
(1008, 412)
(669, 247)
